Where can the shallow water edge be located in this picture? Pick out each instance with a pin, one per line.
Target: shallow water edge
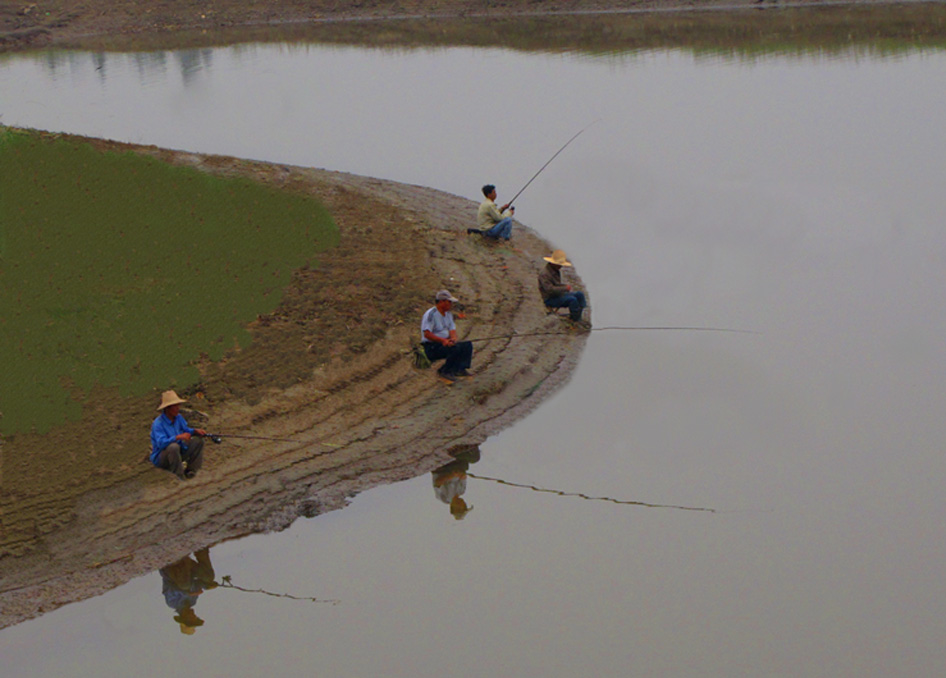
(368, 420)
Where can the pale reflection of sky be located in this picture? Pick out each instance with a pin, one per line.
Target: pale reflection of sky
(798, 197)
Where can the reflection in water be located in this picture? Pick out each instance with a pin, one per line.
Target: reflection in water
(182, 582)
(53, 61)
(98, 60)
(450, 483)
(226, 582)
(450, 479)
(585, 496)
(192, 61)
(151, 66)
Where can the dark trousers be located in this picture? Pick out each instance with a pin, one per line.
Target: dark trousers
(172, 456)
(575, 301)
(458, 357)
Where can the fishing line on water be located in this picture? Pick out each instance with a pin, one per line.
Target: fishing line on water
(581, 495)
(618, 328)
(227, 583)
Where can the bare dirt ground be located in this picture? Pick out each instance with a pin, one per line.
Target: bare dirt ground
(330, 368)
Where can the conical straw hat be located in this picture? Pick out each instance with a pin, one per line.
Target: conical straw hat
(558, 258)
(169, 398)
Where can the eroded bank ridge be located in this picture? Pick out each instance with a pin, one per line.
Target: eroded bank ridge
(363, 414)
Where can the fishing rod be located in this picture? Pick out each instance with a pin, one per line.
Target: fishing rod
(218, 437)
(509, 204)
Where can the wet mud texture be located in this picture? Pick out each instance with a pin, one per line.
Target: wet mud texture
(331, 368)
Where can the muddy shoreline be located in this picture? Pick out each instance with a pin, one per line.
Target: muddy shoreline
(364, 415)
(132, 25)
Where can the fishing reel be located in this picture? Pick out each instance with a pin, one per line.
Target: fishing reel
(215, 438)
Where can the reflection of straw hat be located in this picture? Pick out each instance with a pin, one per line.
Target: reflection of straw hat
(188, 620)
(557, 258)
(169, 398)
(458, 508)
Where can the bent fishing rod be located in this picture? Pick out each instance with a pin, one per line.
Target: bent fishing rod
(509, 204)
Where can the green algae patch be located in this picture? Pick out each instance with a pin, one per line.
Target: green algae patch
(118, 270)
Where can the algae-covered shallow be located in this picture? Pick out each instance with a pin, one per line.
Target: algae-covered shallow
(121, 271)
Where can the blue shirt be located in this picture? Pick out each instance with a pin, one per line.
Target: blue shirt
(163, 433)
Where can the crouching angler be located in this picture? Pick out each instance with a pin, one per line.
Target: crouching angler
(175, 446)
(439, 339)
(557, 294)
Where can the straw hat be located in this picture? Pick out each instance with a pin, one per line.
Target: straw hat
(459, 508)
(169, 398)
(188, 620)
(558, 258)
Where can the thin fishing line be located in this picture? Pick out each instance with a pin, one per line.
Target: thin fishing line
(227, 583)
(613, 328)
(585, 496)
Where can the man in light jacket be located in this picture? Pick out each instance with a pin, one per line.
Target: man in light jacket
(493, 222)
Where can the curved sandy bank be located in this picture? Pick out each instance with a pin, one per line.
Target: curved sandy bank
(365, 416)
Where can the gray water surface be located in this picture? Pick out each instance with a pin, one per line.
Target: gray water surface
(797, 197)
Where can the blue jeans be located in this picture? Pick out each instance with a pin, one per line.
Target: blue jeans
(502, 229)
(574, 300)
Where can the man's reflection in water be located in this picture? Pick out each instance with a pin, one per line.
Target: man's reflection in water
(182, 582)
(450, 479)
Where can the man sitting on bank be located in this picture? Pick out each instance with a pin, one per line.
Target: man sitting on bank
(439, 339)
(556, 294)
(175, 446)
(493, 222)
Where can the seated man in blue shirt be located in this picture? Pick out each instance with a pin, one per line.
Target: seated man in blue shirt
(175, 446)
(439, 339)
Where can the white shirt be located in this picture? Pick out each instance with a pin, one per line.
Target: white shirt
(437, 324)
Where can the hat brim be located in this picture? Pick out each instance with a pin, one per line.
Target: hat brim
(557, 263)
(164, 406)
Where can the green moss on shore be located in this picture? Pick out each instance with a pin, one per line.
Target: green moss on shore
(119, 270)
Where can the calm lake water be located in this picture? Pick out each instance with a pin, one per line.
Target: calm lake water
(800, 197)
